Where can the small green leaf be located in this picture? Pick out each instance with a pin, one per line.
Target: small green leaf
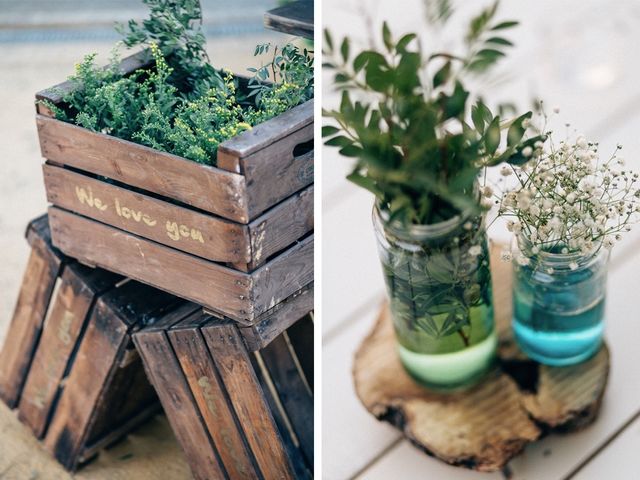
(344, 49)
(339, 141)
(492, 136)
(505, 25)
(329, 130)
(404, 41)
(328, 40)
(500, 41)
(386, 36)
(517, 130)
(442, 76)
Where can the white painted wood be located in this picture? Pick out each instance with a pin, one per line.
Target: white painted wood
(621, 457)
(404, 461)
(352, 274)
(351, 437)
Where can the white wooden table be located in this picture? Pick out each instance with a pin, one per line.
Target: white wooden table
(581, 55)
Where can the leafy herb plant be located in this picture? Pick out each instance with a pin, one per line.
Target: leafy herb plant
(181, 104)
(420, 141)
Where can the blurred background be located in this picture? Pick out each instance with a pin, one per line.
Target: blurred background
(577, 55)
(40, 41)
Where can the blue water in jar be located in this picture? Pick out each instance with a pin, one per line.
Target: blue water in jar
(558, 319)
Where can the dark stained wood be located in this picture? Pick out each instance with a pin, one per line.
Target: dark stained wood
(281, 226)
(88, 383)
(211, 399)
(128, 65)
(244, 390)
(301, 338)
(24, 331)
(484, 427)
(237, 295)
(190, 277)
(68, 313)
(163, 369)
(293, 392)
(295, 18)
(204, 235)
(275, 321)
(201, 186)
(284, 275)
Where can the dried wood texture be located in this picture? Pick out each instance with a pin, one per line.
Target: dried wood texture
(38, 283)
(256, 169)
(210, 237)
(238, 295)
(295, 18)
(234, 412)
(486, 426)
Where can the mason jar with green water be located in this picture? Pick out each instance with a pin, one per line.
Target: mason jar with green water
(439, 284)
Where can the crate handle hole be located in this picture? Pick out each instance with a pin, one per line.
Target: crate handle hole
(303, 148)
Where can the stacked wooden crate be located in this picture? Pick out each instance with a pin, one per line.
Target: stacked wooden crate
(68, 365)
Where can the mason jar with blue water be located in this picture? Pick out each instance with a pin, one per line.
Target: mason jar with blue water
(439, 285)
(559, 303)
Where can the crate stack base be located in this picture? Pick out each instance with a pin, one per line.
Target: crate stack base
(68, 365)
(240, 400)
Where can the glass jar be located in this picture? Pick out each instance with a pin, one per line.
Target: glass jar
(558, 303)
(439, 285)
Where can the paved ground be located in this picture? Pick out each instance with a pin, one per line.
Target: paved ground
(26, 67)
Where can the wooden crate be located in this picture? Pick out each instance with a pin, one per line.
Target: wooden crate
(257, 200)
(239, 399)
(231, 293)
(68, 364)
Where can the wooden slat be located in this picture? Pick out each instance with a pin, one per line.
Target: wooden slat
(70, 307)
(287, 172)
(192, 278)
(295, 18)
(90, 380)
(301, 336)
(24, 331)
(211, 399)
(275, 321)
(281, 226)
(209, 237)
(201, 186)
(245, 394)
(165, 373)
(295, 396)
(283, 276)
(235, 294)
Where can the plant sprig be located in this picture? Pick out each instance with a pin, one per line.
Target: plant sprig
(403, 116)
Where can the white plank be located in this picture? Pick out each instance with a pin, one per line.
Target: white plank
(351, 437)
(621, 456)
(352, 274)
(404, 461)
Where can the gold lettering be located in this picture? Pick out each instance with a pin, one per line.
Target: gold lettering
(126, 213)
(148, 220)
(197, 235)
(64, 332)
(172, 230)
(119, 212)
(184, 230)
(89, 199)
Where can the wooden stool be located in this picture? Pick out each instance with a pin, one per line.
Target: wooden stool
(239, 399)
(68, 363)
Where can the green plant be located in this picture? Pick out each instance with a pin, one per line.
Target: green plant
(176, 26)
(409, 129)
(177, 105)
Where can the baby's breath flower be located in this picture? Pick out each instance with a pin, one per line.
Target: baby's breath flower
(506, 171)
(475, 250)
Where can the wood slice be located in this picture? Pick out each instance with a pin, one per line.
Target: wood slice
(486, 426)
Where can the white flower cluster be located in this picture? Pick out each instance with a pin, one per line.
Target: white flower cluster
(567, 200)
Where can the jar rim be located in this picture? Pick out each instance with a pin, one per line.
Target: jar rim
(558, 259)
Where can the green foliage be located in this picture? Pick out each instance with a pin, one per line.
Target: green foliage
(181, 105)
(176, 26)
(404, 118)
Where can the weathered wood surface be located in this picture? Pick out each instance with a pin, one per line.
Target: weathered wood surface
(202, 186)
(38, 283)
(164, 372)
(184, 229)
(295, 18)
(486, 426)
(286, 315)
(240, 296)
(224, 412)
(81, 402)
(245, 394)
(281, 226)
(78, 288)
